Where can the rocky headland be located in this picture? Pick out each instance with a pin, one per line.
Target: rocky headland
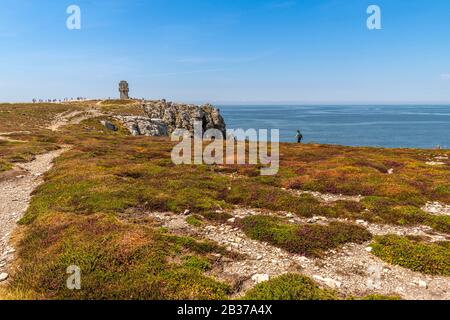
(162, 118)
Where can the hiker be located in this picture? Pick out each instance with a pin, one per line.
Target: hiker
(299, 136)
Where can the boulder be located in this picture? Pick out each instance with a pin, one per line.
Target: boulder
(144, 126)
(108, 125)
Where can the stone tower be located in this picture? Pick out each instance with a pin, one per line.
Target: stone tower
(124, 90)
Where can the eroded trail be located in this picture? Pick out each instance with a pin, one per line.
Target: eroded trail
(73, 117)
(15, 195)
(351, 269)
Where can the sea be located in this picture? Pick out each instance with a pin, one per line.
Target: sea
(387, 126)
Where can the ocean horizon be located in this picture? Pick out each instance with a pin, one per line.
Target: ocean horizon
(387, 126)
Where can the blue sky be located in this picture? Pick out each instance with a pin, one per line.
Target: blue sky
(297, 51)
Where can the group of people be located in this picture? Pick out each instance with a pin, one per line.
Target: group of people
(59, 100)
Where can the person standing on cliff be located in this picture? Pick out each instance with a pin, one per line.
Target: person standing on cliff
(299, 136)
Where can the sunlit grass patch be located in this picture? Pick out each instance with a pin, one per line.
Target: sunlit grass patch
(194, 220)
(289, 287)
(310, 240)
(392, 211)
(429, 258)
(5, 166)
(251, 194)
(26, 151)
(117, 261)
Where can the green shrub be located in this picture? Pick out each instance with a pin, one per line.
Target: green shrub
(310, 240)
(289, 287)
(194, 220)
(429, 258)
(197, 263)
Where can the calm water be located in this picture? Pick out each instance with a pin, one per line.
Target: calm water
(383, 126)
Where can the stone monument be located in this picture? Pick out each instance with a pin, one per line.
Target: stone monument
(124, 90)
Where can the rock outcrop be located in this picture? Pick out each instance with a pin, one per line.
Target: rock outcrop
(144, 126)
(163, 118)
(182, 116)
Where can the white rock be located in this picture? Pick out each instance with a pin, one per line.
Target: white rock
(328, 282)
(258, 278)
(369, 249)
(421, 284)
(186, 212)
(232, 220)
(3, 276)
(391, 171)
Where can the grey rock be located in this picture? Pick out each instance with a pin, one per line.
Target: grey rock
(144, 126)
(183, 116)
(108, 125)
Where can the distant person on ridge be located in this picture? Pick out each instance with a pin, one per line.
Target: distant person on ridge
(299, 136)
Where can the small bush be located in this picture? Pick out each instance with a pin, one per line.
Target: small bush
(310, 240)
(289, 287)
(197, 263)
(216, 216)
(429, 258)
(194, 221)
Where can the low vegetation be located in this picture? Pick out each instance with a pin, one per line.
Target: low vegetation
(411, 253)
(117, 260)
(289, 287)
(309, 240)
(77, 215)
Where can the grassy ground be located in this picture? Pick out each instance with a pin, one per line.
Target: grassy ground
(289, 287)
(308, 240)
(75, 217)
(411, 253)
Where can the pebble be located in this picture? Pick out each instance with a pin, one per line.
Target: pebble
(328, 282)
(421, 284)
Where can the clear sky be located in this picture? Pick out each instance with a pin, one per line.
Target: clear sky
(303, 51)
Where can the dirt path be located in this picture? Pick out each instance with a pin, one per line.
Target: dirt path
(17, 186)
(351, 270)
(73, 117)
(5, 136)
(15, 194)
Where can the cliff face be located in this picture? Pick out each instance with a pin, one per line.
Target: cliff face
(163, 118)
(182, 116)
(144, 126)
